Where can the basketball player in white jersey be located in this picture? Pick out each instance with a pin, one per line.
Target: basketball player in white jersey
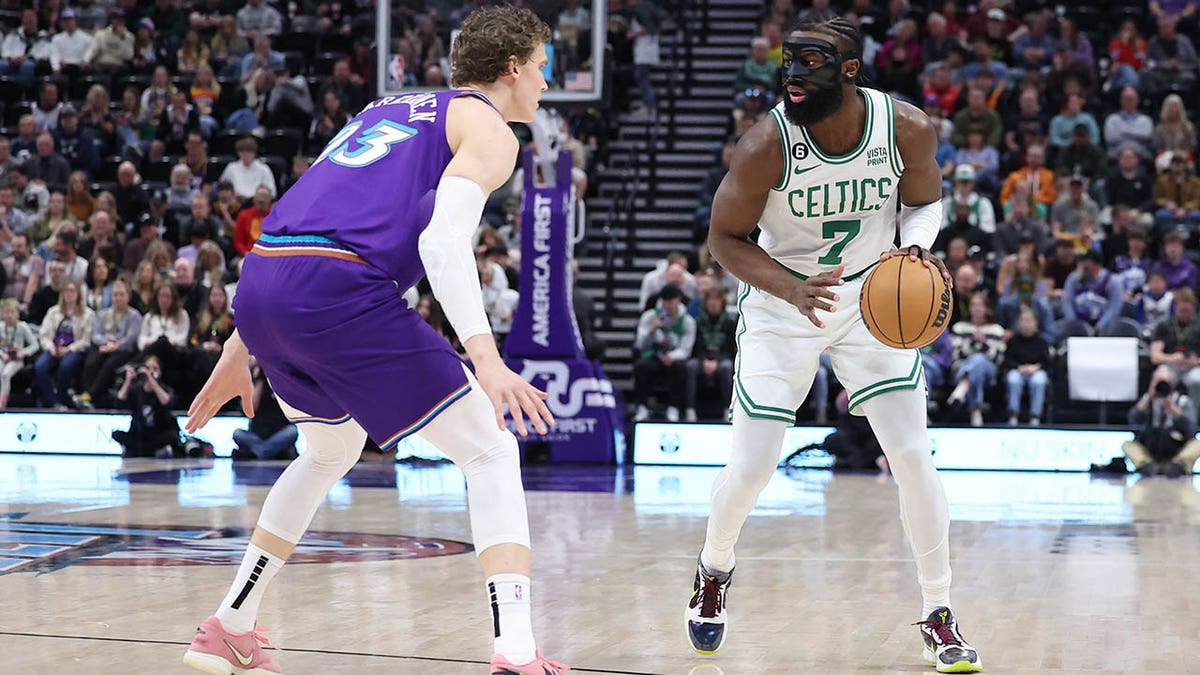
(820, 178)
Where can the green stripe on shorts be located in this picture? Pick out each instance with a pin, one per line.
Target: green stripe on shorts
(751, 408)
(909, 381)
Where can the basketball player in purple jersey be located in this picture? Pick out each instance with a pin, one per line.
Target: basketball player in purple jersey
(394, 197)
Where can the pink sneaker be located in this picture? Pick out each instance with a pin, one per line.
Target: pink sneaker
(538, 666)
(216, 651)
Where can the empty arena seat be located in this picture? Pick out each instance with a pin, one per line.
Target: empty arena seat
(83, 84)
(1122, 327)
(283, 142)
(323, 63)
(305, 43)
(160, 171)
(216, 166)
(223, 142)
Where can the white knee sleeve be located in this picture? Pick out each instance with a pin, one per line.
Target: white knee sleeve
(466, 432)
(755, 455)
(495, 496)
(333, 449)
(924, 512)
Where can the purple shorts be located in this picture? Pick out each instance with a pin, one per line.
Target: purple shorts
(337, 341)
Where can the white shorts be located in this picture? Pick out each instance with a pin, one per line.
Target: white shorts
(779, 349)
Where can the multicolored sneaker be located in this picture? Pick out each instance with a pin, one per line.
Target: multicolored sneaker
(706, 618)
(945, 647)
(216, 651)
(538, 666)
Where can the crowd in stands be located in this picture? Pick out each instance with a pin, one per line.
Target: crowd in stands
(143, 142)
(142, 145)
(1068, 155)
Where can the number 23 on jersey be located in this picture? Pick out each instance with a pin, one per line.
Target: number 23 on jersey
(372, 145)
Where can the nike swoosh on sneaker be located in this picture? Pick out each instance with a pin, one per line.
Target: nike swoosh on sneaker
(244, 660)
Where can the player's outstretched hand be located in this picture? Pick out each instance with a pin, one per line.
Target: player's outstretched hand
(230, 378)
(916, 253)
(812, 293)
(504, 387)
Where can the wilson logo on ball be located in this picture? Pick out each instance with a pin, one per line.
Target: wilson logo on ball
(943, 312)
(905, 304)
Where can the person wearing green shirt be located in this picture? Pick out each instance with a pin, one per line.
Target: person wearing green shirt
(757, 68)
(1082, 156)
(977, 115)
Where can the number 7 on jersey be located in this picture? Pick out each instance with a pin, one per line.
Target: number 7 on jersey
(830, 229)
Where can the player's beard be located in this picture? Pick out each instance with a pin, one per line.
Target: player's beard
(817, 105)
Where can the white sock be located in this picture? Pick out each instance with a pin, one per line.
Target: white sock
(717, 562)
(239, 609)
(929, 604)
(511, 617)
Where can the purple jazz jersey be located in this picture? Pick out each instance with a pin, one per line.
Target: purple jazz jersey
(319, 301)
(373, 186)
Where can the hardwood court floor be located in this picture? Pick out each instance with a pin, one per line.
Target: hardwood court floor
(1054, 573)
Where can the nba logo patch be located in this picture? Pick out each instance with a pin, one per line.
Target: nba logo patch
(518, 592)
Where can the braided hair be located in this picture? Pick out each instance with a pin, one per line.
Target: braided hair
(838, 28)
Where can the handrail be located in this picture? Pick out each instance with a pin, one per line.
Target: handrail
(609, 256)
(622, 211)
(618, 211)
(683, 36)
(632, 186)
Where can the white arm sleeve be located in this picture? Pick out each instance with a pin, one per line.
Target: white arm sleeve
(920, 224)
(449, 259)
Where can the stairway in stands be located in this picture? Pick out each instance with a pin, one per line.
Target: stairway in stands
(661, 215)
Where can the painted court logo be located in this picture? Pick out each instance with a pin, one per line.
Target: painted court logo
(47, 547)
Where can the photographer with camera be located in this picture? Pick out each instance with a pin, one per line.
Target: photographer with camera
(1166, 442)
(153, 430)
(1175, 344)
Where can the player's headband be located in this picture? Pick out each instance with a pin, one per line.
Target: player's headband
(813, 60)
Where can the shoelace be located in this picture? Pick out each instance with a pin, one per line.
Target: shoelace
(257, 632)
(945, 632)
(710, 596)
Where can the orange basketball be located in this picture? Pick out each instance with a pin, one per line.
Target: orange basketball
(905, 304)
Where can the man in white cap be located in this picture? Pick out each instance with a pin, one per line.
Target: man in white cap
(980, 209)
(69, 47)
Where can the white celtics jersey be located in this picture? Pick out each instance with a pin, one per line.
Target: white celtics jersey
(830, 210)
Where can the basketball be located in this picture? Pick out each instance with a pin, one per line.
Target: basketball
(905, 304)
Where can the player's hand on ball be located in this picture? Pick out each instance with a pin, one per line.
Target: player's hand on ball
(815, 293)
(504, 387)
(916, 253)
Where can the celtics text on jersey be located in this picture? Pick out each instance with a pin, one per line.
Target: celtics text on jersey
(833, 210)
